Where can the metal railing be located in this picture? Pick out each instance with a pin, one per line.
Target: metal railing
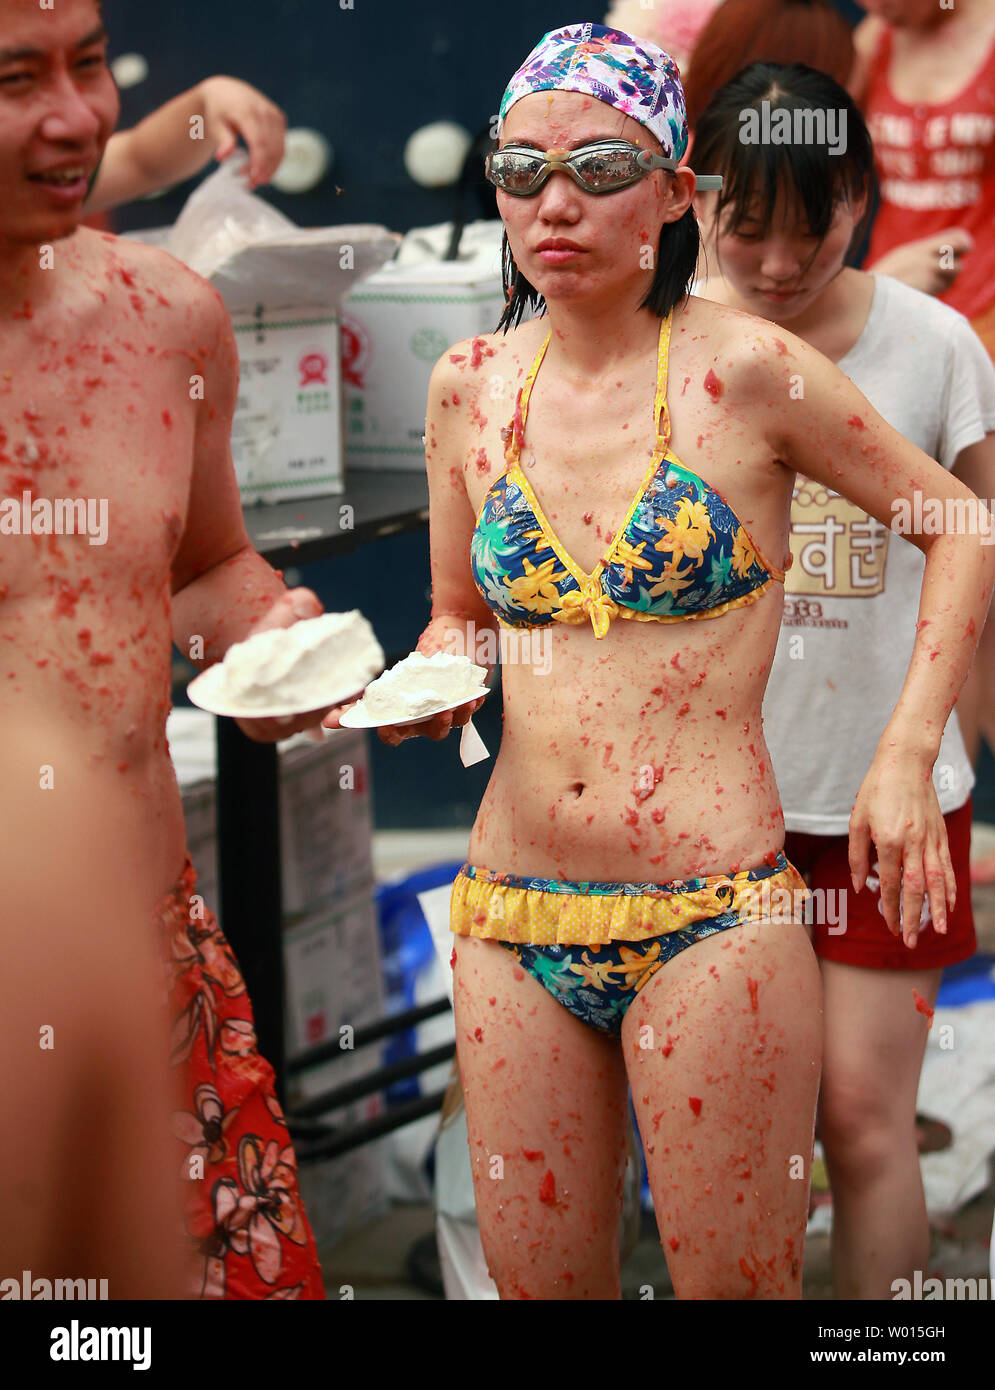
(315, 1138)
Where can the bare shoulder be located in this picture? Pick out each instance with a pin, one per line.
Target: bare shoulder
(159, 285)
(489, 360)
(866, 39)
(476, 380)
(752, 352)
(867, 35)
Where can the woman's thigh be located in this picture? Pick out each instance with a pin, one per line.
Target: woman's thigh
(546, 1101)
(723, 1049)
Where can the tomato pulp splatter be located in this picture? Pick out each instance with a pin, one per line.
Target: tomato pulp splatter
(713, 385)
(923, 1007)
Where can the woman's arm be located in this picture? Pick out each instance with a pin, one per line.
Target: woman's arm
(835, 436)
(930, 264)
(456, 602)
(169, 146)
(459, 614)
(975, 466)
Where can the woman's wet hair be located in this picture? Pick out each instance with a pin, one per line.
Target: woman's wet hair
(810, 170)
(741, 32)
(676, 259)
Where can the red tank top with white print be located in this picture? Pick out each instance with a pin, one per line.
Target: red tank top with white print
(936, 166)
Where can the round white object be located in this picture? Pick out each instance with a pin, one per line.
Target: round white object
(307, 158)
(420, 686)
(358, 717)
(292, 670)
(129, 70)
(434, 154)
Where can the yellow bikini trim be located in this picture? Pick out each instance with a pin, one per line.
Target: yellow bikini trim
(501, 912)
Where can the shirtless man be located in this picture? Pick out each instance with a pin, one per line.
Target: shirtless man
(106, 344)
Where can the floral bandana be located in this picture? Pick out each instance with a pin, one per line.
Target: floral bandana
(630, 74)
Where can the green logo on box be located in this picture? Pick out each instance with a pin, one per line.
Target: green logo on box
(428, 344)
(310, 401)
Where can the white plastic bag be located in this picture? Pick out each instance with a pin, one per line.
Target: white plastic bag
(222, 217)
(240, 242)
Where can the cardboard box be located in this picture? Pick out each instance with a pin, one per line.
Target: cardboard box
(326, 815)
(286, 437)
(326, 820)
(287, 433)
(396, 324)
(333, 979)
(283, 286)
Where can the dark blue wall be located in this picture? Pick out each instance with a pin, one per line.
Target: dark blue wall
(851, 9)
(365, 77)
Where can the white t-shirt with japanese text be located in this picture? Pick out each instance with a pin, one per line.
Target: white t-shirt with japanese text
(852, 592)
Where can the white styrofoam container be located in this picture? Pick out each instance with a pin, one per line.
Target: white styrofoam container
(396, 324)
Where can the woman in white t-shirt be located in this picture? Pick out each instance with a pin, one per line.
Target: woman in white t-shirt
(798, 168)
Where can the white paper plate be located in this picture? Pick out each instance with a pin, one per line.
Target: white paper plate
(207, 691)
(357, 718)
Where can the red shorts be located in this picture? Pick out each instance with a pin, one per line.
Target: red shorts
(861, 936)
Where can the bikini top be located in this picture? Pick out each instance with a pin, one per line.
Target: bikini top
(681, 552)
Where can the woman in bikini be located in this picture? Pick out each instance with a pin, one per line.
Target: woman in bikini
(618, 474)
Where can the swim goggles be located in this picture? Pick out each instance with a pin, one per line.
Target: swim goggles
(602, 167)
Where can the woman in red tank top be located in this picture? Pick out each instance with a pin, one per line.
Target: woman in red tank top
(925, 77)
(928, 79)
